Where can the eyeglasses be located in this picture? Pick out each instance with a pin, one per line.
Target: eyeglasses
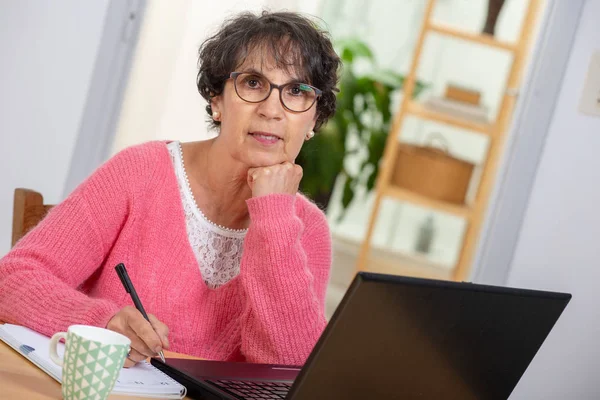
(294, 96)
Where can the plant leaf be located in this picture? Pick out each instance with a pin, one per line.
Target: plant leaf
(363, 108)
(387, 77)
(352, 48)
(348, 193)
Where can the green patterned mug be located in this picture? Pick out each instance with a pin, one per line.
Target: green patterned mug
(92, 361)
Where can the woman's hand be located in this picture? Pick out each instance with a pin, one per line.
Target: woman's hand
(280, 178)
(147, 338)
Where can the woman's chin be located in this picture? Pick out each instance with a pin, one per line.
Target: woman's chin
(266, 161)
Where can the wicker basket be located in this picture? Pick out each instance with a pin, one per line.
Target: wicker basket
(432, 172)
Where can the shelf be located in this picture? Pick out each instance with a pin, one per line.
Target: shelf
(382, 260)
(493, 124)
(483, 39)
(419, 110)
(393, 263)
(415, 198)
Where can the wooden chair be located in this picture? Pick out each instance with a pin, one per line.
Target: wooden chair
(29, 209)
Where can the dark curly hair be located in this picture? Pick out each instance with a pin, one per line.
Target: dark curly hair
(294, 43)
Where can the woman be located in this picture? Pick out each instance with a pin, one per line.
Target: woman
(230, 259)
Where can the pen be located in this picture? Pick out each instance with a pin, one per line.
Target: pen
(122, 272)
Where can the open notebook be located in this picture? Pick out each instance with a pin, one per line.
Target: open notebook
(140, 380)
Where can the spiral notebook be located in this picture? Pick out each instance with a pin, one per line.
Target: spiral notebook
(142, 380)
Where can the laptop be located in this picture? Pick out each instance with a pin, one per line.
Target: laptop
(396, 337)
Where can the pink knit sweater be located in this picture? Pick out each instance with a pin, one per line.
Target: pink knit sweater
(130, 211)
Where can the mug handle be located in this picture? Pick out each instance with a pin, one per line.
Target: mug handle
(53, 343)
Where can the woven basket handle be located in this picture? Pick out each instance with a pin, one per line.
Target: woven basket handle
(435, 136)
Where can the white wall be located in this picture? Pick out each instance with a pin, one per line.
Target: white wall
(48, 54)
(558, 245)
(152, 69)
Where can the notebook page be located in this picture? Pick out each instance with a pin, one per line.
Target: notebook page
(141, 379)
(144, 378)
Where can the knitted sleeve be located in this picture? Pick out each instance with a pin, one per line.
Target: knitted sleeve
(285, 270)
(39, 277)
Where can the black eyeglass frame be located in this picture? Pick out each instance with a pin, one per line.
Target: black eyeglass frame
(318, 92)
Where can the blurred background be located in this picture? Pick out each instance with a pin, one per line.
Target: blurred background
(487, 113)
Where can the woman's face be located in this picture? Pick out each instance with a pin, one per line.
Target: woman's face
(265, 133)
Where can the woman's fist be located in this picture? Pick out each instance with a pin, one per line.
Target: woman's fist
(279, 178)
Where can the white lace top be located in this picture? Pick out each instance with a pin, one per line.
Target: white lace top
(217, 249)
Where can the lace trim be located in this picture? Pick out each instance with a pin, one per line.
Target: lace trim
(218, 249)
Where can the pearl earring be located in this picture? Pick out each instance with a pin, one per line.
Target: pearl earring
(310, 135)
(216, 115)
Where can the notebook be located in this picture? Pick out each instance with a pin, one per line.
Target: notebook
(142, 379)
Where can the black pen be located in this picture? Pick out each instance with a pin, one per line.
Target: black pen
(122, 272)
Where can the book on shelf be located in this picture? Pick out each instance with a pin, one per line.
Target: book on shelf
(471, 112)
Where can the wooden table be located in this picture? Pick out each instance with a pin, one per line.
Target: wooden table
(20, 379)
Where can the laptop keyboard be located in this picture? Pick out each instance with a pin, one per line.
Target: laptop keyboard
(254, 390)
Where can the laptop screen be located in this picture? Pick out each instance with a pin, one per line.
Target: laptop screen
(407, 338)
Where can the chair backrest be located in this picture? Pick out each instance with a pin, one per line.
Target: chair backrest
(29, 209)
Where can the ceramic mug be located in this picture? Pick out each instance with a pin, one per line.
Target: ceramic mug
(92, 361)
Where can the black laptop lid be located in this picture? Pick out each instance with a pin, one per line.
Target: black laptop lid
(404, 338)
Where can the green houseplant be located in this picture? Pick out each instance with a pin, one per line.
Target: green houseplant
(359, 128)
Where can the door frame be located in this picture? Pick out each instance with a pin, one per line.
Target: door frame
(107, 88)
(525, 144)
